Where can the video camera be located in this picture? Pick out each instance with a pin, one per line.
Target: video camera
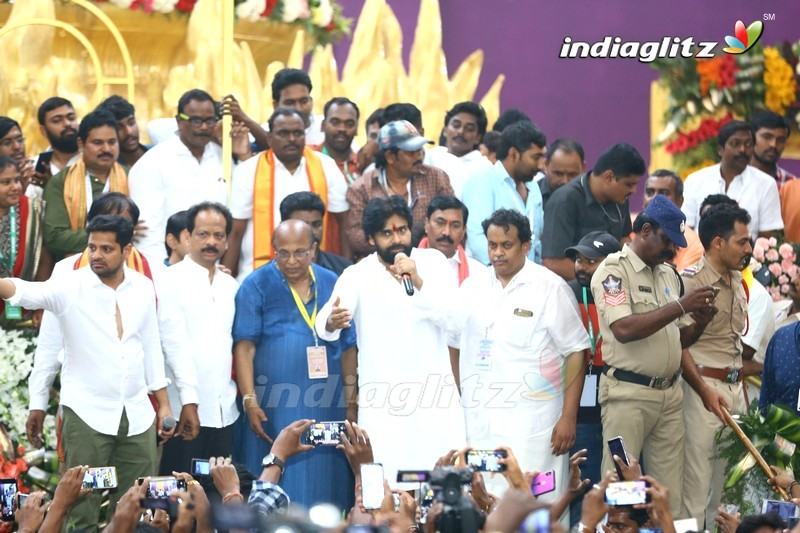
(459, 514)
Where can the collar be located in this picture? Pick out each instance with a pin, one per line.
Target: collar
(279, 164)
(736, 277)
(526, 274)
(583, 183)
(181, 148)
(471, 157)
(636, 262)
(506, 177)
(96, 281)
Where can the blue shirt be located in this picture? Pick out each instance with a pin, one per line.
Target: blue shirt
(780, 383)
(486, 193)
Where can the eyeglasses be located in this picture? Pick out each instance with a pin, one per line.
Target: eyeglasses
(299, 255)
(8, 143)
(286, 134)
(198, 121)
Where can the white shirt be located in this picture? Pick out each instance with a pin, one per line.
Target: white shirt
(35, 191)
(760, 319)
(475, 266)
(168, 179)
(286, 183)
(207, 309)
(406, 388)
(754, 190)
(455, 169)
(103, 374)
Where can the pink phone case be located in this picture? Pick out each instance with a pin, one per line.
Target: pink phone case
(544, 483)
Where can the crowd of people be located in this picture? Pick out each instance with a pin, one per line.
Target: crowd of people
(489, 293)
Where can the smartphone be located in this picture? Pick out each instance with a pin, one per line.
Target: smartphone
(372, 485)
(537, 522)
(413, 476)
(785, 510)
(617, 447)
(43, 163)
(21, 498)
(8, 492)
(621, 493)
(162, 487)
(101, 477)
(544, 483)
(716, 291)
(486, 460)
(324, 434)
(201, 467)
(730, 508)
(792, 522)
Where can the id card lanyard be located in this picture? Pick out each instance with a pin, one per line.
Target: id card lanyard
(593, 339)
(345, 170)
(13, 312)
(309, 320)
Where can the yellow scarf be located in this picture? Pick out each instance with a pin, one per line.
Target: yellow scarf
(136, 261)
(264, 201)
(75, 191)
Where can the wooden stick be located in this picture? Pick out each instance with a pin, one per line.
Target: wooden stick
(752, 449)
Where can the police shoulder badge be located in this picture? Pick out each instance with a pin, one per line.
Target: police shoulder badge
(612, 287)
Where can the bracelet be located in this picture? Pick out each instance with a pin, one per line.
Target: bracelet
(583, 528)
(791, 485)
(248, 397)
(683, 311)
(228, 497)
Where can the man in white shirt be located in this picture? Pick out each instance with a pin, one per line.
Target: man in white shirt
(464, 126)
(179, 172)
(522, 354)
(752, 189)
(400, 300)
(112, 360)
(205, 296)
(261, 183)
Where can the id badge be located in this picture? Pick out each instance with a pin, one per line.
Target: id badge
(484, 359)
(13, 312)
(589, 394)
(317, 362)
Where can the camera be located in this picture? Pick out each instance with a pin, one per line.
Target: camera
(459, 515)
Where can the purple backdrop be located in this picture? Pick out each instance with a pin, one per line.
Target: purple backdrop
(596, 101)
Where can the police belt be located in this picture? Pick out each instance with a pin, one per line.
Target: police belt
(726, 375)
(640, 379)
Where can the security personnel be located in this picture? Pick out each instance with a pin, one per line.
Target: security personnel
(712, 366)
(639, 301)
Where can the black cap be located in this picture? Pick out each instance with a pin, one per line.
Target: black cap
(593, 245)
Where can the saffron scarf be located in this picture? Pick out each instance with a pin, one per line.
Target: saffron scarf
(463, 265)
(75, 191)
(264, 201)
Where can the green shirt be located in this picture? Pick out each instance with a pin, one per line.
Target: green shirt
(59, 237)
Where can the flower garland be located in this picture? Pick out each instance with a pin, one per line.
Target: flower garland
(780, 260)
(779, 80)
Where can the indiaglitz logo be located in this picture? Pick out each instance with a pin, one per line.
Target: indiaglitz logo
(743, 39)
(667, 47)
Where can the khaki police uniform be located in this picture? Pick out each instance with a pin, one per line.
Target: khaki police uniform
(718, 355)
(648, 414)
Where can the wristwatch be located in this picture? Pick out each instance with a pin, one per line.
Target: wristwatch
(271, 460)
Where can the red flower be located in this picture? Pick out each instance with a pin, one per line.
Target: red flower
(682, 143)
(330, 27)
(269, 8)
(185, 5)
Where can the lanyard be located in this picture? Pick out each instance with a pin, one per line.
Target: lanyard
(302, 308)
(593, 340)
(345, 167)
(9, 261)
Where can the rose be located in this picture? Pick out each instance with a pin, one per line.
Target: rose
(773, 242)
(785, 288)
(786, 266)
(295, 10)
(786, 250)
(772, 255)
(783, 279)
(763, 243)
(758, 253)
(775, 293)
(775, 270)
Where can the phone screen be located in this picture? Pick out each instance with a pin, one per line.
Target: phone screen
(102, 477)
(8, 491)
(43, 163)
(617, 447)
(486, 460)
(324, 433)
(413, 476)
(162, 487)
(372, 485)
(201, 467)
(544, 483)
(626, 493)
(537, 522)
(785, 510)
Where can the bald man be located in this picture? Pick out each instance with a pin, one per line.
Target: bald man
(274, 340)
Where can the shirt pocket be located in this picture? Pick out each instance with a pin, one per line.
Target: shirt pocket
(642, 301)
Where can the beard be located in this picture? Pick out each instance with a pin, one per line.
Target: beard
(66, 142)
(387, 255)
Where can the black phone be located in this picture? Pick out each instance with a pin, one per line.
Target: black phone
(617, 447)
(8, 495)
(162, 487)
(43, 163)
(201, 467)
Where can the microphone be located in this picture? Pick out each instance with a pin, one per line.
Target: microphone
(407, 284)
(168, 423)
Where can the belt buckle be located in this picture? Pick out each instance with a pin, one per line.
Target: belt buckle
(660, 383)
(733, 375)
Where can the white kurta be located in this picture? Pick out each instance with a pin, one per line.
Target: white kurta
(516, 397)
(408, 400)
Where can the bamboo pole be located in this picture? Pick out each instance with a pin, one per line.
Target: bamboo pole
(227, 88)
(754, 452)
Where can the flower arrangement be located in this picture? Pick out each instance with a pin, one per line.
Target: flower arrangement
(704, 94)
(780, 260)
(322, 19)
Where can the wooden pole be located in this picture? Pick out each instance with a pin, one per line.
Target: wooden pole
(227, 88)
(752, 449)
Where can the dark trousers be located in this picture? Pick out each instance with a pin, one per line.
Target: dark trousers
(211, 442)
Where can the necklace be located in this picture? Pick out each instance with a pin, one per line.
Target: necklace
(619, 214)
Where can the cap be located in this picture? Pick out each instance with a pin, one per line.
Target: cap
(593, 245)
(669, 217)
(401, 134)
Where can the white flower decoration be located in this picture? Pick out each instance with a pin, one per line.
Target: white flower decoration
(251, 9)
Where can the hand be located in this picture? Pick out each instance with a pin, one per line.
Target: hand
(356, 447)
(408, 508)
(563, 436)
(659, 508)
(225, 270)
(202, 505)
(287, 443)
(140, 231)
(513, 472)
(241, 141)
(129, 508)
(447, 459)
(31, 515)
(781, 479)
(630, 472)
(163, 412)
(28, 171)
(434, 513)
(159, 520)
(256, 417)
(727, 523)
(704, 316)
(405, 265)
(577, 486)
(339, 318)
(189, 424)
(511, 511)
(698, 299)
(224, 475)
(186, 512)
(594, 506)
(69, 490)
(230, 106)
(366, 155)
(33, 427)
(714, 402)
(480, 495)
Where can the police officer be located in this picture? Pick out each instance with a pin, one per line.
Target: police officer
(639, 301)
(712, 366)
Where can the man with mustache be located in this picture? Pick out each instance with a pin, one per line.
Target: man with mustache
(130, 149)
(70, 193)
(204, 296)
(712, 366)
(639, 303)
(771, 133)
(261, 183)
(59, 124)
(445, 230)
(733, 176)
(399, 170)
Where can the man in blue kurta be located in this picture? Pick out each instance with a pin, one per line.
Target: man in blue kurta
(286, 373)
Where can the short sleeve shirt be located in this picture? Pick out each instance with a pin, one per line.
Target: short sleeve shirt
(624, 285)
